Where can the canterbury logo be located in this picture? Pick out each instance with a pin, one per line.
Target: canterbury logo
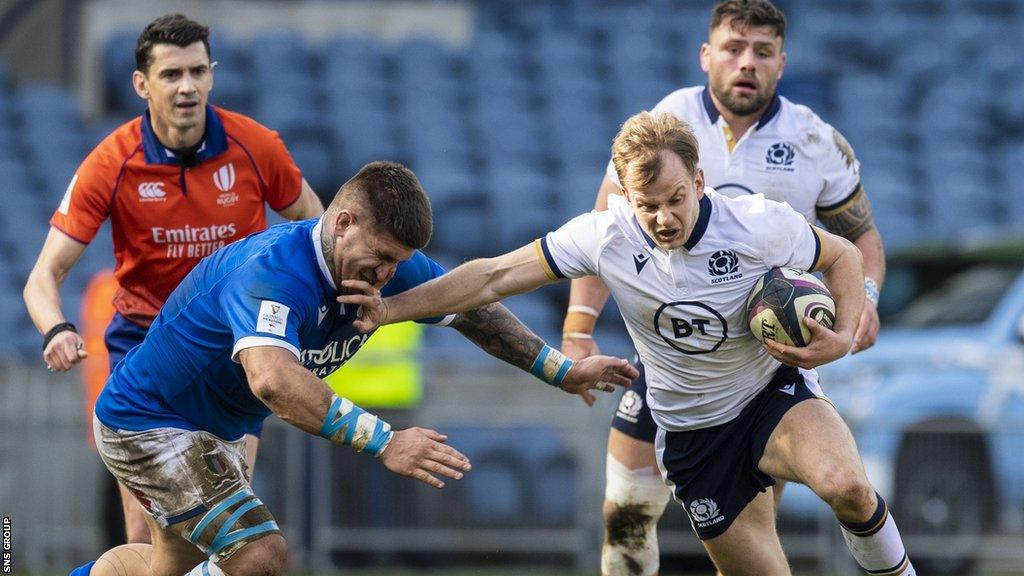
(152, 191)
(224, 177)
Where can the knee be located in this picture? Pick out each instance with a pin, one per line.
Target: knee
(265, 556)
(847, 492)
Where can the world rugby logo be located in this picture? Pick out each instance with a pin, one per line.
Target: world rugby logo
(723, 262)
(703, 509)
(780, 154)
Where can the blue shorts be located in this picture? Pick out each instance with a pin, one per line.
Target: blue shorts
(633, 417)
(122, 335)
(714, 470)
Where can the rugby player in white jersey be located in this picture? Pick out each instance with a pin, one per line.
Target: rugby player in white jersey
(751, 141)
(732, 414)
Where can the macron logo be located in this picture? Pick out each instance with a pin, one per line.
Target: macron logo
(152, 192)
(640, 260)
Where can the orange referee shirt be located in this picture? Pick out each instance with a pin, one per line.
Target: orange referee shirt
(168, 212)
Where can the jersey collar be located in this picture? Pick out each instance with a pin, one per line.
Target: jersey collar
(214, 142)
(320, 260)
(709, 108)
(699, 227)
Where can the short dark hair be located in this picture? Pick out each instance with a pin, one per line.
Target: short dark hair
(393, 196)
(749, 13)
(173, 29)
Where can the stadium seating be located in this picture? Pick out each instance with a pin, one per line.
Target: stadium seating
(510, 132)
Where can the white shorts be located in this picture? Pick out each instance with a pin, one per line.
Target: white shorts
(175, 474)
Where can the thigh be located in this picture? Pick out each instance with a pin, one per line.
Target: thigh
(809, 442)
(172, 554)
(750, 547)
(632, 453)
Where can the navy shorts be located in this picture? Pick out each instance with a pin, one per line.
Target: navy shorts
(633, 417)
(714, 470)
(122, 335)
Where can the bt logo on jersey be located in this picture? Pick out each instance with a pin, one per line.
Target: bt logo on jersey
(690, 327)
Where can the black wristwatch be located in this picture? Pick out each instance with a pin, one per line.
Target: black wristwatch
(57, 330)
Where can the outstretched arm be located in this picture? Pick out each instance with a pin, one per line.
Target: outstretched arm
(499, 333)
(470, 286)
(304, 401)
(474, 285)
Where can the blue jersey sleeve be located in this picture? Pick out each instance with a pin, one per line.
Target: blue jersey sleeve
(263, 309)
(410, 274)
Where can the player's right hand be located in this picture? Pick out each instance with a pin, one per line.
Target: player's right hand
(578, 349)
(64, 351)
(421, 453)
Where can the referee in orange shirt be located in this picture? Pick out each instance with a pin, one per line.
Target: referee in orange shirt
(180, 181)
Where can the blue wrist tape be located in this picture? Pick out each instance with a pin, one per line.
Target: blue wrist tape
(551, 366)
(350, 425)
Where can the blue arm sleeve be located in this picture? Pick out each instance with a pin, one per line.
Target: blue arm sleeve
(262, 309)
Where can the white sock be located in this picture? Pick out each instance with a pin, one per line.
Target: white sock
(207, 568)
(877, 546)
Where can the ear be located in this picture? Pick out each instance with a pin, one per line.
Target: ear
(782, 68)
(342, 221)
(626, 194)
(705, 57)
(698, 182)
(141, 84)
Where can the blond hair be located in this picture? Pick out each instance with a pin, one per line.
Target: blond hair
(636, 148)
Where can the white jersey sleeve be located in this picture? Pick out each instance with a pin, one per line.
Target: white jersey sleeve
(788, 240)
(837, 165)
(574, 250)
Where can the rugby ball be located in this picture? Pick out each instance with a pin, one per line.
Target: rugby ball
(779, 301)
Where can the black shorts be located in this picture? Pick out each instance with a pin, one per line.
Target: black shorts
(714, 470)
(633, 417)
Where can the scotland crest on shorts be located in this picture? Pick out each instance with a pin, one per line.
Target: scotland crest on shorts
(704, 512)
(629, 406)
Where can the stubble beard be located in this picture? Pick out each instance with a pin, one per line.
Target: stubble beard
(742, 106)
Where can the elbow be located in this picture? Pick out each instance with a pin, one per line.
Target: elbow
(266, 387)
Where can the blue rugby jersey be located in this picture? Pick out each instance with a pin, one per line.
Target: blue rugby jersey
(272, 288)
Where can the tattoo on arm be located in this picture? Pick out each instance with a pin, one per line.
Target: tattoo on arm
(499, 333)
(851, 219)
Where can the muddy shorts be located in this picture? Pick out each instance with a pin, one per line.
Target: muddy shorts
(180, 475)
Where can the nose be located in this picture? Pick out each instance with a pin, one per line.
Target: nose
(384, 272)
(187, 85)
(664, 218)
(747, 59)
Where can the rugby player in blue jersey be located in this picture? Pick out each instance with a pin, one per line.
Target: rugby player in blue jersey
(246, 334)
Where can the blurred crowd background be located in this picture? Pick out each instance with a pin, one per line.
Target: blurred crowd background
(505, 109)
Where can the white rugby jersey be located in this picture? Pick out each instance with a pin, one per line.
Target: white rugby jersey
(685, 308)
(790, 155)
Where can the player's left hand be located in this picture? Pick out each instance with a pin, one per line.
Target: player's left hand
(825, 347)
(599, 373)
(867, 330)
(373, 310)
